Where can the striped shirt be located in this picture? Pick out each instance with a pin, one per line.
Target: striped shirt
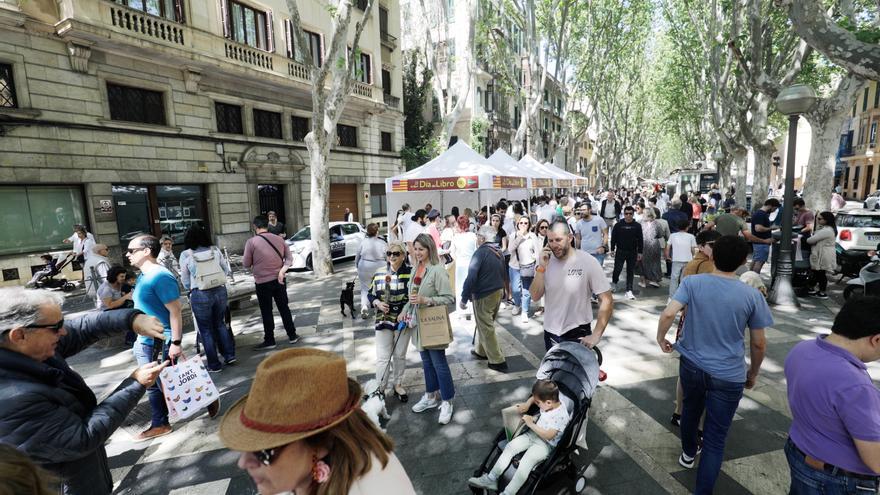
(391, 288)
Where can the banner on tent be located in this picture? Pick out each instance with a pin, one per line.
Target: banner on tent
(436, 184)
(563, 182)
(507, 182)
(542, 183)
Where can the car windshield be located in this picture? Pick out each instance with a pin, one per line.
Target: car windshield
(303, 235)
(859, 221)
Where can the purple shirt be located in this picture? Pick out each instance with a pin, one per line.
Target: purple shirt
(266, 262)
(832, 402)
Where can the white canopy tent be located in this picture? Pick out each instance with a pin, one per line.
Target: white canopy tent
(458, 177)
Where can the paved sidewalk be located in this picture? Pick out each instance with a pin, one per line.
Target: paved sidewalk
(633, 447)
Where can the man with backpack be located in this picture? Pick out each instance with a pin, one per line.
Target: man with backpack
(269, 258)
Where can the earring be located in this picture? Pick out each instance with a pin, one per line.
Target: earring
(320, 470)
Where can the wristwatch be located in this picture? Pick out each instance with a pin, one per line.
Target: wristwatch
(176, 342)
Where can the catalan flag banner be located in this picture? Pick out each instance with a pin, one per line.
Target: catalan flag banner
(507, 182)
(542, 183)
(563, 182)
(436, 184)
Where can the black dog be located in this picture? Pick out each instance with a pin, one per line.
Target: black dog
(346, 298)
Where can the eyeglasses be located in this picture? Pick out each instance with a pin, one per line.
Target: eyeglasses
(542, 227)
(134, 250)
(393, 253)
(55, 327)
(266, 457)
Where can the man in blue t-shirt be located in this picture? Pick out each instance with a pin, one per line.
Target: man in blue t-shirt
(712, 346)
(762, 228)
(156, 293)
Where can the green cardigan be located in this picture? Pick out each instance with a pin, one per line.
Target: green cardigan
(435, 286)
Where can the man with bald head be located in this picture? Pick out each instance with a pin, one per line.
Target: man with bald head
(96, 267)
(568, 277)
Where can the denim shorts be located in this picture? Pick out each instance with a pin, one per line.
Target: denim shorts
(761, 252)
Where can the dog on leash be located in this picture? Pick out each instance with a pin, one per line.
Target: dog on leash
(374, 403)
(346, 298)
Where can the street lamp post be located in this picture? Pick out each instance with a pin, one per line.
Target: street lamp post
(792, 101)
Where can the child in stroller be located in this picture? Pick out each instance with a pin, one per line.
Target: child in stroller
(48, 278)
(544, 434)
(47, 271)
(574, 370)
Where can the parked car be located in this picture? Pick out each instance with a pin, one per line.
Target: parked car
(858, 231)
(345, 240)
(872, 202)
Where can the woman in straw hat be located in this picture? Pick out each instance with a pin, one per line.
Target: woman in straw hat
(300, 429)
(429, 286)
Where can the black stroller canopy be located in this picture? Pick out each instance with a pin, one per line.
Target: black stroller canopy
(573, 367)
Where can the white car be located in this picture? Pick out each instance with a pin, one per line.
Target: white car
(345, 240)
(858, 229)
(872, 202)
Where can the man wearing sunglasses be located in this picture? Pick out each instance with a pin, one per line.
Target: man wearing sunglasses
(48, 412)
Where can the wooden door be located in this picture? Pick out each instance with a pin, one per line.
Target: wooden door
(343, 196)
(869, 177)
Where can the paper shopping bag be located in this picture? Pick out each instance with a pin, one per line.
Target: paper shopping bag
(512, 420)
(188, 388)
(434, 327)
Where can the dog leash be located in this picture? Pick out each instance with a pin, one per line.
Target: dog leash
(401, 326)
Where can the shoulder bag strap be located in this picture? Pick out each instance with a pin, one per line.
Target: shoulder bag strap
(273, 247)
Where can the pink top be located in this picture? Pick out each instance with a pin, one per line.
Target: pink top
(266, 261)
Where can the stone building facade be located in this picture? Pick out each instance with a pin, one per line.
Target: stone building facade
(860, 154)
(136, 116)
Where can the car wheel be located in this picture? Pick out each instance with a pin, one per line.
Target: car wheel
(309, 262)
(852, 290)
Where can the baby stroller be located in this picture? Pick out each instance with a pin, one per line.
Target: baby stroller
(54, 280)
(575, 370)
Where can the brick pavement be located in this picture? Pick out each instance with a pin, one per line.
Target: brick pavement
(633, 447)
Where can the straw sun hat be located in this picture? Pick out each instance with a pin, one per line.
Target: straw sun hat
(296, 393)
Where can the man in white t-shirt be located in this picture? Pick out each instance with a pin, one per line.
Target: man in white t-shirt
(572, 276)
(680, 250)
(591, 234)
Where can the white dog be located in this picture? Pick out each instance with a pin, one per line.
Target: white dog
(374, 403)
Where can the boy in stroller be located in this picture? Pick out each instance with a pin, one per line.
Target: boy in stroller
(537, 443)
(49, 270)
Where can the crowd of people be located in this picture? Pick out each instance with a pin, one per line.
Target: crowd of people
(538, 256)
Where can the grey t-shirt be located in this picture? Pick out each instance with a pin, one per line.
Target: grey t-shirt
(591, 233)
(104, 291)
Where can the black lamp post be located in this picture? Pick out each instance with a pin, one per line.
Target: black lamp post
(792, 101)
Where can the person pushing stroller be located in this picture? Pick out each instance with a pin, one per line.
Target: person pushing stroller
(537, 443)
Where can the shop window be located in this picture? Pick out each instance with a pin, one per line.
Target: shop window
(8, 98)
(39, 218)
(158, 210)
(267, 124)
(386, 142)
(346, 135)
(136, 104)
(300, 127)
(248, 25)
(166, 9)
(228, 118)
(378, 200)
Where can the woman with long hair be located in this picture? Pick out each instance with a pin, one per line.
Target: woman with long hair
(388, 294)
(823, 256)
(369, 258)
(541, 229)
(301, 430)
(208, 304)
(524, 251)
(464, 244)
(651, 251)
(429, 286)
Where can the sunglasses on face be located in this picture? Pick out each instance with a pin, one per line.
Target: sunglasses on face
(393, 253)
(266, 457)
(542, 227)
(55, 327)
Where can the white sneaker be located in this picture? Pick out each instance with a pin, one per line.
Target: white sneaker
(524, 317)
(630, 295)
(445, 412)
(484, 482)
(427, 402)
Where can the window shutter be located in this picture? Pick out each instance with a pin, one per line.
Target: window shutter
(270, 32)
(224, 17)
(288, 37)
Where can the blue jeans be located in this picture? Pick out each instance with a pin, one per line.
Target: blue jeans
(526, 296)
(599, 257)
(719, 398)
(143, 354)
(808, 481)
(209, 311)
(437, 374)
(515, 285)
